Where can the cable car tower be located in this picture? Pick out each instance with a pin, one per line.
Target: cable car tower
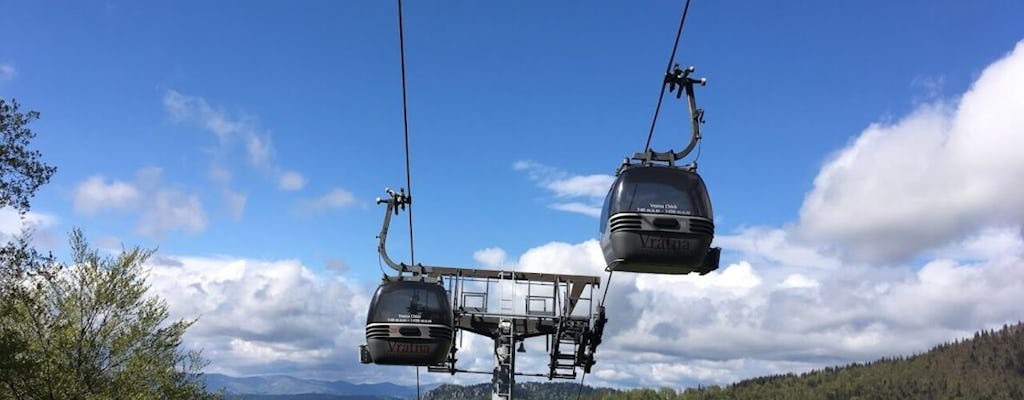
(560, 307)
(657, 219)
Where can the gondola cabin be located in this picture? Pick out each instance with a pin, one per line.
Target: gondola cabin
(658, 219)
(410, 322)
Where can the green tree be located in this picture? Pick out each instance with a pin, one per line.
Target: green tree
(86, 330)
(89, 330)
(21, 170)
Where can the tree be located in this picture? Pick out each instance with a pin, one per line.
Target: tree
(89, 330)
(21, 171)
(21, 174)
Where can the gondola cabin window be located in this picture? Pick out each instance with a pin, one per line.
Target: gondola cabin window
(659, 190)
(408, 304)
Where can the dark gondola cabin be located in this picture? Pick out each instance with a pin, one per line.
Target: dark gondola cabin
(410, 322)
(658, 219)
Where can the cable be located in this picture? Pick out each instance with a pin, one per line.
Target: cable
(668, 70)
(408, 169)
(603, 297)
(580, 391)
(405, 123)
(607, 285)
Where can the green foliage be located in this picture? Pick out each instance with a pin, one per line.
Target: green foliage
(89, 330)
(21, 171)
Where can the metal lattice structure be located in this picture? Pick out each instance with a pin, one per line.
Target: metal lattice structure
(560, 307)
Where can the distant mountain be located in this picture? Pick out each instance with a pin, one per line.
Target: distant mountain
(291, 388)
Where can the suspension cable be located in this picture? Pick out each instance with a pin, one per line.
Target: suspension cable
(668, 70)
(405, 124)
(580, 391)
(408, 169)
(608, 283)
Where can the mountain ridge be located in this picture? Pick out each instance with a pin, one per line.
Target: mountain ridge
(279, 386)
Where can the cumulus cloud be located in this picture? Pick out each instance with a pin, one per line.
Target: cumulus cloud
(230, 131)
(258, 316)
(7, 72)
(291, 180)
(747, 319)
(38, 224)
(774, 246)
(940, 174)
(336, 198)
(491, 257)
(581, 194)
(159, 209)
(767, 314)
(95, 194)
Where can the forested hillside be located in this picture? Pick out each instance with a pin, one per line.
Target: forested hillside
(988, 366)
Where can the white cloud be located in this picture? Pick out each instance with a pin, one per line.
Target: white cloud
(579, 208)
(593, 186)
(799, 281)
(337, 198)
(234, 203)
(584, 193)
(778, 314)
(942, 173)
(259, 149)
(775, 247)
(38, 224)
(231, 130)
(7, 72)
(159, 209)
(258, 317)
(169, 210)
(291, 180)
(746, 319)
(492, 257)
(94, 195)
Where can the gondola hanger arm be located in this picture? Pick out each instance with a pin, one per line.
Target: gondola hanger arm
(395, 201)
(679, 82)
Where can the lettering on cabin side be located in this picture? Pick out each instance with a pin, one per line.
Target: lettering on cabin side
(667, 208)
(414, 348)
(667, 244)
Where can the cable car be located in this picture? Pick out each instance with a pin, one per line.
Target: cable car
(658, 219)
(410, 322)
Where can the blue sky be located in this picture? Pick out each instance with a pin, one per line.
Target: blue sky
(256, 135)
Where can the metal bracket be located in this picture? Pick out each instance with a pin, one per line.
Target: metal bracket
(395, 202)
(679, 82)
